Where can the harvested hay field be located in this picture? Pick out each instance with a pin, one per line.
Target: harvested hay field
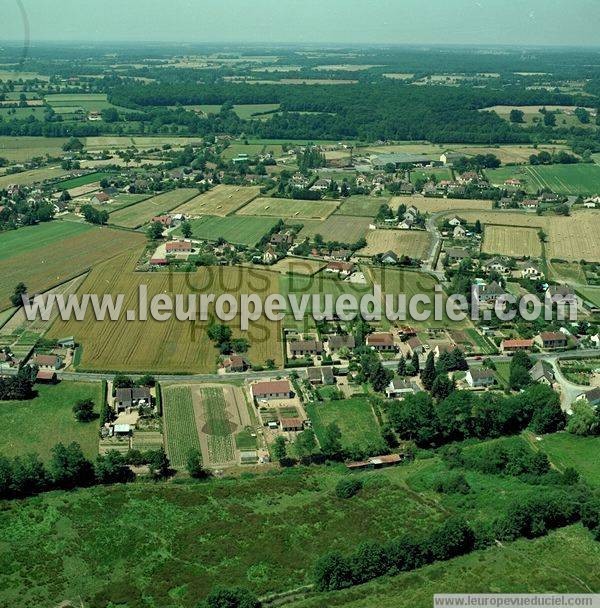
(298, 266)
(342, 228)
(141, 213)
(572, 238)
(285, 208)
(435, 205)
(221, 200)
(512, 241)
(51, 253)
(166, 346)
(413, 243)
(362, 206)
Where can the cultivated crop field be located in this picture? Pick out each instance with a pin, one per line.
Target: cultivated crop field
(414, 243)
(140, 214)
(39, 424)
(21, 149)
(234, 229)
(171, 346)
(434, 205)
(355, 418)
(572, 238)
(342, 228)
(365, 206)
(33, 255)
(581, 178)
(512, 241)
(220, 444)
(179, 424)
(289, 209)
(221, 200)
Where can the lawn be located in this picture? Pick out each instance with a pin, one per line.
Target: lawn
(221, 200)
(38, 425)
(47, 254)
(289, 208)
(354, 416)
(234, 229)
(365, 206)
(141, 213)
(180, 424)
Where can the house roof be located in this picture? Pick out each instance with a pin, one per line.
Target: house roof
(552, 336)
(517, 343)
(47, 360)
(271, 387)
(593, 396)
(306, 345)
(482, 373)
(380, 339)
(542, 369)
(292, 422)
(178, 246)
(45, 375)
(342, 341)
(340, 266)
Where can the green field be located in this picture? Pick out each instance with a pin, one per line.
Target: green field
(180, 424)
(439, 173)
(355, 418)
(590, 293)
(234, 229)
(252, 150)
(342, 228)
(86, 101)
(26, 178)
(220, 441)
(365, 206)
(141, 213)
(38, 425)
(582, 178)
(32, 254)
(82, 180)
(582, 453)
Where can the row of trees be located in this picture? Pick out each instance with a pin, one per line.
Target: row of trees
(68, 468)
(464, 415)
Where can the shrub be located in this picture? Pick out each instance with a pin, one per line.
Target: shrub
(348, 487)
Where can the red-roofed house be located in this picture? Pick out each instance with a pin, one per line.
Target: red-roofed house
(512, 346)
(551, 340)
(276, 389)
(381, 341)
(178, 247)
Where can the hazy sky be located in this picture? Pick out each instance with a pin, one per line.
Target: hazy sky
(520, 22)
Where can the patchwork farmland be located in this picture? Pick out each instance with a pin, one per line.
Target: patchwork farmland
(414, 243)
(289, 208)
(141, 213)
(572, 238)
(512, 241)
(236, 229)
(221, 200)
(173, 346)
(32, 254)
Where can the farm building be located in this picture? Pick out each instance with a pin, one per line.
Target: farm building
(343, 269)
(512, 346)
(291, 424)
(235, 363)
(100, 198)
(401, 158)
(381, 342)
(275, 389)
(178, 247)
(378, 462)
(415, 345)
